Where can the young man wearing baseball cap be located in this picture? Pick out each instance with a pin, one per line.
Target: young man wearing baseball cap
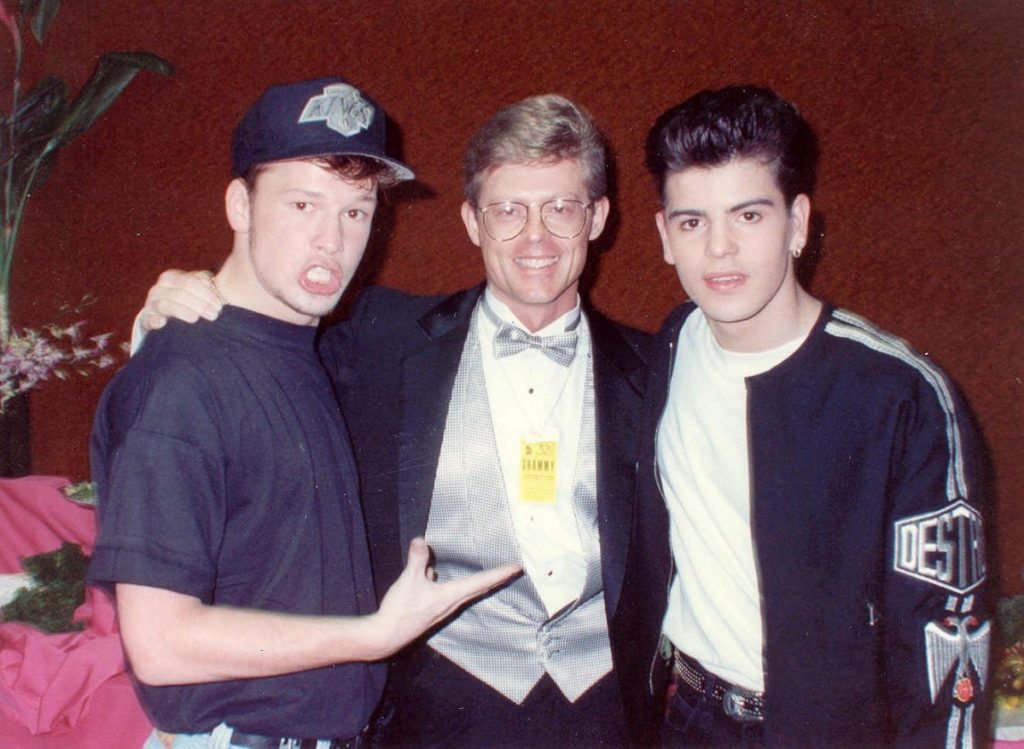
(230, 524)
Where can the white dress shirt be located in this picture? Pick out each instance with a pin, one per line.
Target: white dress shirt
(534, 398)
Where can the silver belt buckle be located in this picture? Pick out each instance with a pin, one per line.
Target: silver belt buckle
(734, 703)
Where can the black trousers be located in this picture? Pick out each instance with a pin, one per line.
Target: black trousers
(437, 704)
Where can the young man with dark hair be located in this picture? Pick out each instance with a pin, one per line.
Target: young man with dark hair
(823, 479)
(230, 523)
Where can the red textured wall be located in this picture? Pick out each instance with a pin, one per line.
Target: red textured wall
(918, 104)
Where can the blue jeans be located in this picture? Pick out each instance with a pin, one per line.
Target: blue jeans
(694, 720)
(218, 738)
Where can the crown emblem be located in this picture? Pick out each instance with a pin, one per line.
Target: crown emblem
(341, 107)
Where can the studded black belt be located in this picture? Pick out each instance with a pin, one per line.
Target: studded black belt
(740, 704)
(252, 741)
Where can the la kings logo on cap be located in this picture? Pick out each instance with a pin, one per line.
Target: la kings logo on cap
(342, 107)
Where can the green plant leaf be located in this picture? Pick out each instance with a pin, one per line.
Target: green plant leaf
(33, 163)
(5, 146)
(113, 73)
(46, 11)
(39, 115)
(41, 111)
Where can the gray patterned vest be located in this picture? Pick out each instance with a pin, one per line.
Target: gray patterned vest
(508, 639)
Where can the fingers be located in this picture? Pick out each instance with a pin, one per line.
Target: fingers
(416, 602)
(183, 306)
(419, 559)
(151, 321)
(181, 295)
(477, 584)
(173, 277)
(463, 589)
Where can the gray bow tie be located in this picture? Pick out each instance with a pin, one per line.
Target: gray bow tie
(511, 340)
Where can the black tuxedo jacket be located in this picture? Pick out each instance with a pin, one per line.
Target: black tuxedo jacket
(394, 362)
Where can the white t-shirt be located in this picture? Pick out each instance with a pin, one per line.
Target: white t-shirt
(714, 609)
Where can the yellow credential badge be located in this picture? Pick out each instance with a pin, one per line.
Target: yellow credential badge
(537, 462)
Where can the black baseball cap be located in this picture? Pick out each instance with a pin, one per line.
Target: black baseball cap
(322, 117)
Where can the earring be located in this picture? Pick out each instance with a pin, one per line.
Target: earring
(796, 251)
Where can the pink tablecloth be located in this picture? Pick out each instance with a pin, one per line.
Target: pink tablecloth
(66, 690)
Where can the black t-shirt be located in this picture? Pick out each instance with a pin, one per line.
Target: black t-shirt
(225, 473)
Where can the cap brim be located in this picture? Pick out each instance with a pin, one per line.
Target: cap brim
(399, 171)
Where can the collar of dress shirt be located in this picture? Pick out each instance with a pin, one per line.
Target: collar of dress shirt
(501, 310)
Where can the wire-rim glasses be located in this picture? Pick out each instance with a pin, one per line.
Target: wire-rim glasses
(562, 217)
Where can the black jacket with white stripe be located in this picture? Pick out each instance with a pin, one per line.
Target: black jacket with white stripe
(867, 495)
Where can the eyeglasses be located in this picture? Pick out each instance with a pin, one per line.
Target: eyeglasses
(563, 218)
